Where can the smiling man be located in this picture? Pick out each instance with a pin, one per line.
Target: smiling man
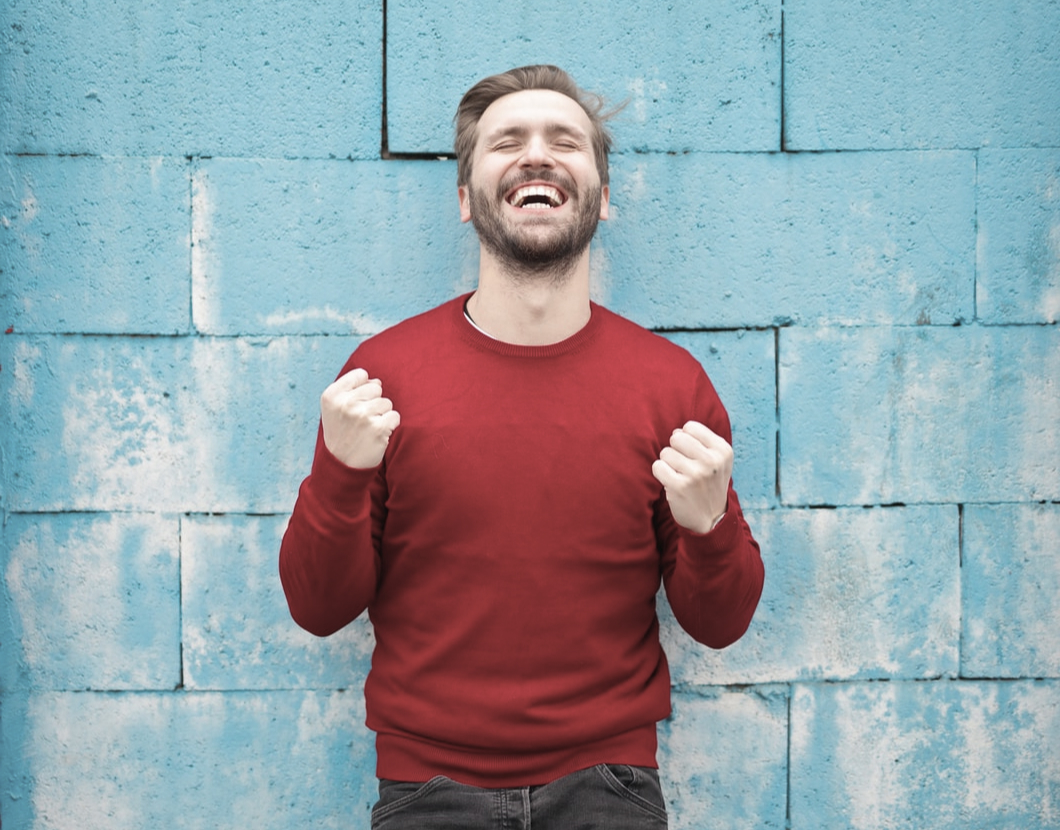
(508, 531)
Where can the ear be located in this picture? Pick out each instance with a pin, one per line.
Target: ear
(605, 202)
(465, 203)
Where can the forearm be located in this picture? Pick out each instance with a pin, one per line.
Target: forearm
(714, 580)
(328, 559)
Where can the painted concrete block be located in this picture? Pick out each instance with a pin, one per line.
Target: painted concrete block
(1018, 267)
(723, 759)
(237, 631)
(742, 367)
(192, 77)
(1011, 623)
(91, 602)
(94, 245)
(162, 424)
(965, 414)
(945, 755)
(849, 593)
(731, 240)
(884, 75)
(270, 760)
(325, 246)
(694, 77)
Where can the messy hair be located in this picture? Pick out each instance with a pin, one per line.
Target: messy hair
(542, 76)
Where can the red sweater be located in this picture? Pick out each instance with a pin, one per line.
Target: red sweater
(510, 547)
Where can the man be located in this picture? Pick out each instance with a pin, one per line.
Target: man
(508, 530)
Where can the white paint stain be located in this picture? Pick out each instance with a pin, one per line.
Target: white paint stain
(26, 362)
(120, 439)
(30, 208)
(155, 167)
(1051, 294)
(1037, 390)
(205, 264)
(353, 323)
(634, 184)
(644, 92)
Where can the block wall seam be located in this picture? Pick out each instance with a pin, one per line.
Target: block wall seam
(776, 413)
(975, 225)
(782, 116)
(191, 243)
(180, 602)
(787, 758)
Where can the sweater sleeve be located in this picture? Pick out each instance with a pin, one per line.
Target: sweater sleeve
(329, 557)
(713, 580)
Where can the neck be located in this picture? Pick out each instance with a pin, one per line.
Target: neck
(531, 307)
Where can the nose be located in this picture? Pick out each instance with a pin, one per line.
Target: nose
(536, 153)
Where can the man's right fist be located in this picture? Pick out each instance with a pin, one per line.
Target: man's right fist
(357, 419)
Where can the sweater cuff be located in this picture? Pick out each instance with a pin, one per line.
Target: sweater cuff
(720, 539)
(334, 484)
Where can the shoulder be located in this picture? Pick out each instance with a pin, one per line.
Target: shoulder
(410, 339)
(640, 346)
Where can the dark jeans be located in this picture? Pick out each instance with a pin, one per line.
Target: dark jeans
(604, 797)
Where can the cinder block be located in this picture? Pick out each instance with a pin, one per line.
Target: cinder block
(192, 77)
(1018, 268)
(849, 593)
(237, 631)
(874, 415)
(1011, 622)
(742, 367)
(269, 760)
(92, 602)
(723, 759)
(325, 246)
(162, 424)
(694, 77)
(945, 755)
(95, 245)
(732, 240)
(882, 74)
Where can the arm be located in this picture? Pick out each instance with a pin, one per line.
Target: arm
(713, 580)
(329, 557)
(712, 569)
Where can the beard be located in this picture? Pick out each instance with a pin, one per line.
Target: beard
(539, 248)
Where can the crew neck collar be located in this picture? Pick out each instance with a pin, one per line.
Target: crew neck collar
(478, 338)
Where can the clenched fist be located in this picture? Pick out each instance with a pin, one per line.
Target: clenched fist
(695, 471)
(357, 419)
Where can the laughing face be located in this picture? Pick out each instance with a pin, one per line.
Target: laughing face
(534, 193)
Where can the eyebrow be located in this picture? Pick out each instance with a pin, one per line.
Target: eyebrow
(551, 129)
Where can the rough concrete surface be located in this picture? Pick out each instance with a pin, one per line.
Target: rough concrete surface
(849, 212)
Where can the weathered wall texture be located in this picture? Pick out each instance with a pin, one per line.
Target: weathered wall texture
(848, 210)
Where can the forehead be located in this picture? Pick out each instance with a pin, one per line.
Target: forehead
(533, 108)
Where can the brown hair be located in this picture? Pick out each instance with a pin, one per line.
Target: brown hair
(542, 76)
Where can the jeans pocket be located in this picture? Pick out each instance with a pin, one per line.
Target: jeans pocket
(396, 795)
(638, 785)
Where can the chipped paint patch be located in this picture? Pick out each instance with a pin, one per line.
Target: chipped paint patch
(93, 602)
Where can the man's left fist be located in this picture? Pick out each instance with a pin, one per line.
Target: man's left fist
(695, 471)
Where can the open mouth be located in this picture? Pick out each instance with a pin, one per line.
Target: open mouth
(536, 197)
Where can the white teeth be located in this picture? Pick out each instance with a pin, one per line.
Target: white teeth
(520, 197)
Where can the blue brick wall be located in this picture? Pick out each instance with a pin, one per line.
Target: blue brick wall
(848, 211)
